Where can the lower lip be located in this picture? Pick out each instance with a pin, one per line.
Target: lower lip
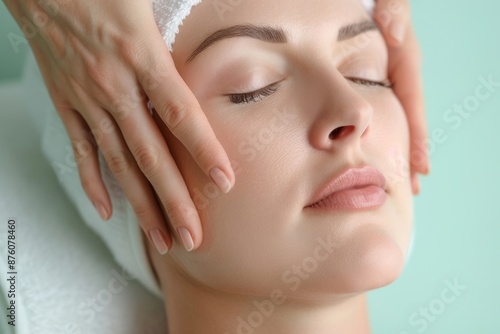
(369, 197)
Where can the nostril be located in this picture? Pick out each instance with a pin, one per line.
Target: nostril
(340, 132)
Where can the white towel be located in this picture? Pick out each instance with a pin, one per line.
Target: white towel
(369, 5)
(169, 15)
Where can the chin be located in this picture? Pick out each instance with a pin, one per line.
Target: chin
(375, 254)
(378, 262)
(371, 259)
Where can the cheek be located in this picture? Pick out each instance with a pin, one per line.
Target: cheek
(391, 137)
(393, 142)
(242, 229)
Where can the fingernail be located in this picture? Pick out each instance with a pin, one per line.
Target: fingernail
(220, 179)
(187, 240)
(398, 31)
(101, 209)
(159, 241)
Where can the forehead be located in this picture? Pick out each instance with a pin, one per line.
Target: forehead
(302, 19)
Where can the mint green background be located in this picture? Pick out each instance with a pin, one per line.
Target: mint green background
(458, 211)
(10, 61)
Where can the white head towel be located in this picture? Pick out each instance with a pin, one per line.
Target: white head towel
(169, 15)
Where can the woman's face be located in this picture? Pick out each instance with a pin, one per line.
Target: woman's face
(261, 236)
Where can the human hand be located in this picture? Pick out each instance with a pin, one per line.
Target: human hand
(101, 61)
(394, 19)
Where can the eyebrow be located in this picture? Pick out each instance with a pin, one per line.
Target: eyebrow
(274, 35)
(352, 30)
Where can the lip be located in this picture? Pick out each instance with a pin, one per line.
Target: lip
(354, 189)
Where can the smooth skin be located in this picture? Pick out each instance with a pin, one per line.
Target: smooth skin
(101, 62)
(262, 239)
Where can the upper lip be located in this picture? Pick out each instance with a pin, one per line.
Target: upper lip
(354, 177)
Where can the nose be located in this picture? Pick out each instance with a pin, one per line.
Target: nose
(344, 119)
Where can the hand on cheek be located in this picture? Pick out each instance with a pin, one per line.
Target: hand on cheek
(394, 18)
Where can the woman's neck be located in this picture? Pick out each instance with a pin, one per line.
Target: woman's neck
(194, 308)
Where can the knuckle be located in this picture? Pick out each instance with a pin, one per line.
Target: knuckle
(177, 211)
(118, 163)
(82, 149)
(130, 48)
(137, 54)
(203, 151)
(121, 108)
(174, 113)
(142, 212)
(148, 159)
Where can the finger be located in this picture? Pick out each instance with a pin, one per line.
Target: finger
(405, 72)
(394, 17)
(136, 187)
(179, 207)
(153, 157)
(123, 166)
(181, 112)
(87, 161)
(82, 140)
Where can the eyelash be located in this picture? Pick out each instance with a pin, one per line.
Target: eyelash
(255, 96)
(260, 94)
(365, 82)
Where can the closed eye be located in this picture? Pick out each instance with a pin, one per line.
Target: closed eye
(370, 83)
(255, 96)
(259, 95)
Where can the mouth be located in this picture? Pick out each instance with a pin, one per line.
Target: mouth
(355, 189)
